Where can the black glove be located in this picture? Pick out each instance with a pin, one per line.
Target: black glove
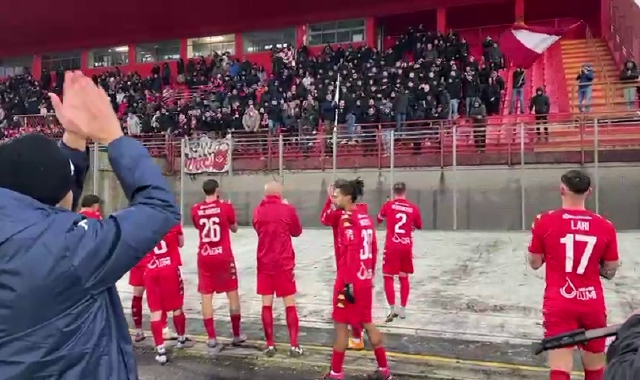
(348, 293)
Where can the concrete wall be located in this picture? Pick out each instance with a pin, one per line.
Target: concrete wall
(487, 198)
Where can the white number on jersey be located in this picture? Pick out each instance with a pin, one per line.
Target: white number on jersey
(569, 243)
(402, 220)
(211, 230)
(161, 248)
(367, 241)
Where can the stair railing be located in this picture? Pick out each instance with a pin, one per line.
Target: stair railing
(601, 74)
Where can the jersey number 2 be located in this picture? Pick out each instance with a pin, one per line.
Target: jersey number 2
(402, 220)
(569, 244)
(210, 230)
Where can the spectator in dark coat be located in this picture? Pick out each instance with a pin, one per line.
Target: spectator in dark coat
(64, 267)
(623, 362)
(478, 114)
(540, 106)
(518, 81)
(400, 107)
(629, 82)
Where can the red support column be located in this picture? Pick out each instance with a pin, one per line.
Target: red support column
(184, 49)
(84, 60)
(36, 66)
(301, 35)
(370, 35)
(441, 20)
(132, 54)
(520, 11)
(239, 47)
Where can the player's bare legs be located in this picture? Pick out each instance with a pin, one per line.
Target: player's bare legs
(404, 294)
(593, 364)
(356, 341)
(293, 325)
(267, 324)
(136, 312)
(234, 314)
(561, 363)
(390, 294)
(180, 324)
(158, 339)
(340, 344)
(375, 338)
(207, 319)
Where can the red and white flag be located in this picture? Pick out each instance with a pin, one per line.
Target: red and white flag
(523, 45)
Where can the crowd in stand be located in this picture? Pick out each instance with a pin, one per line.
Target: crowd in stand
(425, 77)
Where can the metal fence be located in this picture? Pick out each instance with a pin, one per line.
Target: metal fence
(493, 176)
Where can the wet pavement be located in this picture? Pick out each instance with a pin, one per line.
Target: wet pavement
(473, 296)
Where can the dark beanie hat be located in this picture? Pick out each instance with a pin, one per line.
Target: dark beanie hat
(34, 165)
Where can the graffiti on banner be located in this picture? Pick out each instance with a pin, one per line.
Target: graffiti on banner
(205, 155)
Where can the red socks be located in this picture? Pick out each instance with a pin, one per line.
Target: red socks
(559, 375)
(156, 330)
(209, 328)
(389, 290)
(267, 324)
(180, 323)
(164, 319)
(404, 291)
(235, 325)
(292, 325)
(337, 360)
(381, 357)
(136, 311)
(590, 374)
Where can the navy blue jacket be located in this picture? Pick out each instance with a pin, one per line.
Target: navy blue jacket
(80, 161)
(60, 314)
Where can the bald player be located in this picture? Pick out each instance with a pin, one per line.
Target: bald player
(276, 222)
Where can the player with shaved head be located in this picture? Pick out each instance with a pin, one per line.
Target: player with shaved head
(276, 222)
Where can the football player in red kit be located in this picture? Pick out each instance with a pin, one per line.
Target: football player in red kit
(353, 289)
(578, 247)
(330, 217)
(215, 220)
(276, 222)
(90, 206)
(165, 290)
(402, 217)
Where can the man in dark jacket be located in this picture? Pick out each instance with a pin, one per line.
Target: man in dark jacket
(517, 84)
(60, 314)
(540, 106)
(629, 80)
(623, 362)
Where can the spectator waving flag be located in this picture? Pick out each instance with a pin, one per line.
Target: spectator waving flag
(523, 44)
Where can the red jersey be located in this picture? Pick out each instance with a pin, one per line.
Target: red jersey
(402, 218)
(90, 214)
(330, 217)
(166, 253)
(573, 244)
(359, 246)
(213, 221)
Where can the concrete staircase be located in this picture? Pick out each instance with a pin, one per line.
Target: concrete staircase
(575, 53)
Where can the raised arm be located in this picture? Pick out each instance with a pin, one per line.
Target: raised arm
(103, 251)
(76, 150)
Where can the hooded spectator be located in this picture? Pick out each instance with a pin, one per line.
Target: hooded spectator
(478, 114)
(540, 106)
(629, 82)
(251, 120)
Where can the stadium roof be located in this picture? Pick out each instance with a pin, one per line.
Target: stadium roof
(29, 27)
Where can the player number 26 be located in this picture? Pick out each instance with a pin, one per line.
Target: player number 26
(367, 241)
(569, 241)
(210, 230)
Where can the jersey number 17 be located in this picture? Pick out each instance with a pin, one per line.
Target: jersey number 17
(569, 247)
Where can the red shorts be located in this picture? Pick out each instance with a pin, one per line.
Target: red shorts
(397, 261)
(560, 320)
(217, 277)
(357, 313)
(136, 275)
(165, 290)
(281, 284)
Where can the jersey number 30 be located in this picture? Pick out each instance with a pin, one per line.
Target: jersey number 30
(569, 246)
(210, 230)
